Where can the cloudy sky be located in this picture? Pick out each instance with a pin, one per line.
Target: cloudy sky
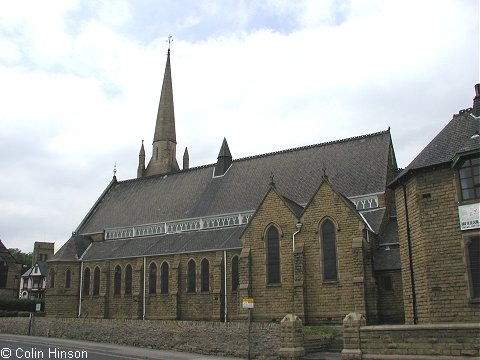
(80, 82)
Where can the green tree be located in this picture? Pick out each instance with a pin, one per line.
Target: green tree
(21, 257)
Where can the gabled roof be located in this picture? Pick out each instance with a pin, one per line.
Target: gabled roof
(42, 266)
(3, 249)
(456, 137)
(195, 193)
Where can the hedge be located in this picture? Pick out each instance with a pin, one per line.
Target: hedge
(20, 305)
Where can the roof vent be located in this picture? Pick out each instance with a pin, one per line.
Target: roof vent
(224, 160)
(476, 101)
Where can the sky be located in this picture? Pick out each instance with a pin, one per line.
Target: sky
(80, 82)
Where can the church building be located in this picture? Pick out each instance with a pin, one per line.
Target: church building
(309, 230)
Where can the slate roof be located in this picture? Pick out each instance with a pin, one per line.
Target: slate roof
(186, 242)
(374, 218)
(43, 267)
(387, 259)
(454, 138)
(72, 249)
(355, 166)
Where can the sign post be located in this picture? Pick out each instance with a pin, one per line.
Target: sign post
(247, 303)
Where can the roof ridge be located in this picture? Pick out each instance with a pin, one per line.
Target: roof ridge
(251, 157)
(305, 147)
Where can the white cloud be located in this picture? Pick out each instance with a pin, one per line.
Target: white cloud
(79, 94)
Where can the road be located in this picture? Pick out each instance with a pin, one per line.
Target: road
(31, 347)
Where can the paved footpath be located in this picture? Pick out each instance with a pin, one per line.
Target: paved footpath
(33, 347)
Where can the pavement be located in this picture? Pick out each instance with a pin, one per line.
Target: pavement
(20, 346)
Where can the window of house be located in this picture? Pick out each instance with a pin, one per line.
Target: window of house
(164, 278)
(273, 256)
(153, 279)
(191, 286)
(235, 278)
(469, 176)
(117, 280)
(86, 281)
(387, 283)
(52, 279)
(128, 279)
(473, 261)
(205, 267)
(329, 251)
(96, 281)
(3, 274)
(68, 278)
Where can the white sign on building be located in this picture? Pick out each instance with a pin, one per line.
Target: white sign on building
(469, 216)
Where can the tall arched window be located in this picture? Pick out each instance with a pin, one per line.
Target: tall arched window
(68, 278)
(86, 281)
(117, 280)
(96, 281)
(128, 279)
(329, 251)
(273, 256)
(52, 279)
(164, 278)
(152, 289)
(205, 267)
(3, 274)
(191, 286)
(235, 279)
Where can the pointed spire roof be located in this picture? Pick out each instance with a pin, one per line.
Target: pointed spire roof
(142, 150)
(165, 126)
(224, 150)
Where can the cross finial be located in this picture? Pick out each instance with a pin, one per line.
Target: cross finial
(169, 40)
(115, 169)
(272, 181)
(324, 169)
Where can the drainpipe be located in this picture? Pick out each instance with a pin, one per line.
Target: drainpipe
(80, 290)
(299, 227)
(410, 261)
(225, 283)
(144, 283)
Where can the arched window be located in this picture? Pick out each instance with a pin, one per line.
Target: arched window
(86, 281)
(52, 279)
(152, 289)
(235, 273)
(191, 287)
(329, 251)
(117, 280)
(68, 278)
(273, 256)
(205, 267)
(128, 280)
(96, 281)
(164, 278)
(3, 274)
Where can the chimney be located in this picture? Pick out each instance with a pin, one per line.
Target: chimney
(476, 101)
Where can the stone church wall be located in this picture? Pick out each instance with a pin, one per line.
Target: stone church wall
(390, 302)
(329, 301)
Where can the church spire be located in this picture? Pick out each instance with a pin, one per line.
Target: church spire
(165, 126)
(141, 162)
(163, 158)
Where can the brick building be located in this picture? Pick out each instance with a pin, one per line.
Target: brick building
(437, 201)
(310, 230)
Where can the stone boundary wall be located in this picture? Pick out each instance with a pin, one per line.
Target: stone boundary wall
(425, 341)
(210, 338)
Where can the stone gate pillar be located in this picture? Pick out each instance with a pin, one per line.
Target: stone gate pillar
(291, 329)
(351, 336)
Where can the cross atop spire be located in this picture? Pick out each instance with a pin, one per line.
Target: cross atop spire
(169, 40)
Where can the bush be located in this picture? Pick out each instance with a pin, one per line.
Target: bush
(20, 304)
